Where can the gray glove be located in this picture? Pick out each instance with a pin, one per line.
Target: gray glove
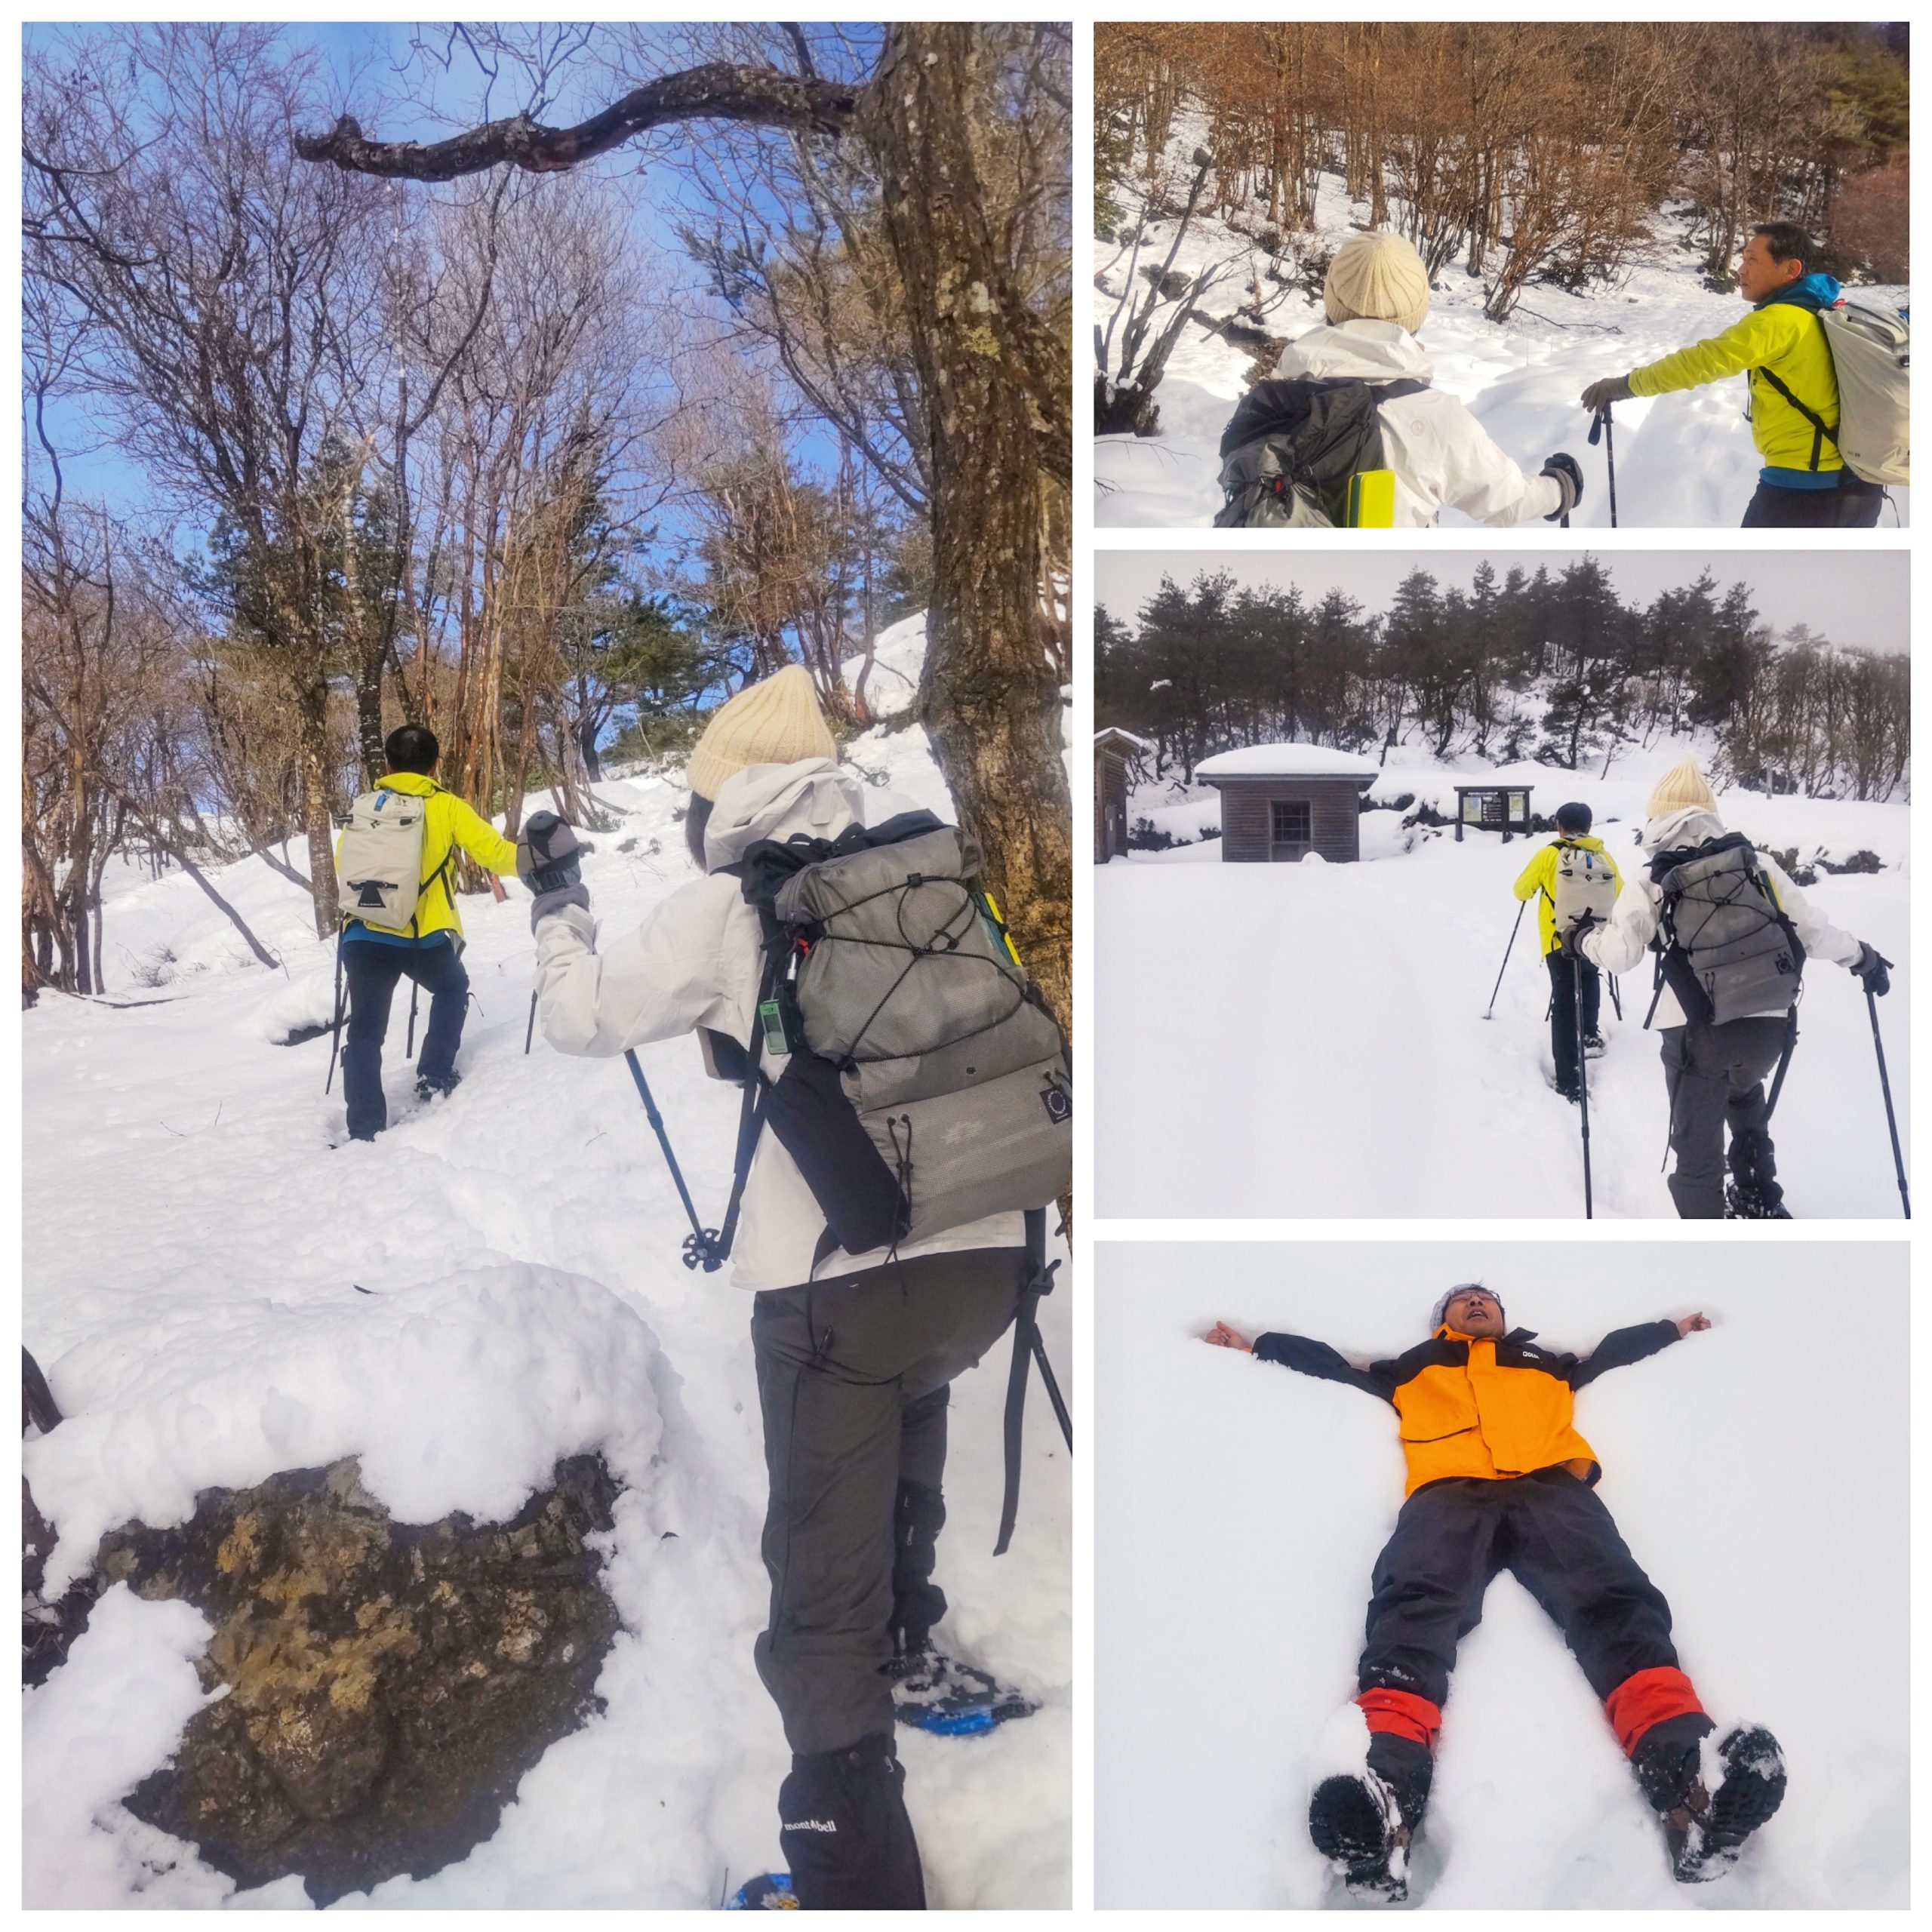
(1599, 396)
(547, 862)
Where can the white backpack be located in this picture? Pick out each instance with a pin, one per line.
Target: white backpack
(1585, 884)
(379, 860)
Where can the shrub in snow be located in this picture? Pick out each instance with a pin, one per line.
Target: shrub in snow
(387, 1685)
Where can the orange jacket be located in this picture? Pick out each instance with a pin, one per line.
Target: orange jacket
(1479, 1408)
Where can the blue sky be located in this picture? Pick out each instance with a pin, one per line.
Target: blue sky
(365, 57)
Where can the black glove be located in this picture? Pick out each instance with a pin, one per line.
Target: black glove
(1599, 396)
(1569, 475)
(547, 861)
(1571, 945)
(1872, 972)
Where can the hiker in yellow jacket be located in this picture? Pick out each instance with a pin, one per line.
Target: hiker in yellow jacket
(372, 959)
(1780, 347)
(1540, 882)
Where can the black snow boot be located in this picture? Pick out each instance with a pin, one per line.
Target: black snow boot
(1595, 1046)
(1711, 1798)
(1754, 1194)
(918, 1515)
(429, 1087)
(848, 1843)
(1364, 1822)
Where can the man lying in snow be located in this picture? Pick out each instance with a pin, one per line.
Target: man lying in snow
(1732, 934)
(1299, 426)
(1790, 384)
(1499, 1479)
(854, 1353)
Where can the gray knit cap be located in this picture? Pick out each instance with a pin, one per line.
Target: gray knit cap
(1450, 1294)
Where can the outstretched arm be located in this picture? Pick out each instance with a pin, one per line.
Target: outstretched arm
(1298, 1352)
(1622, 1346)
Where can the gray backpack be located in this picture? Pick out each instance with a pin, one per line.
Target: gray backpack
(1726, 948)
(915, 1075)
(1871, 352)
(1586, 888)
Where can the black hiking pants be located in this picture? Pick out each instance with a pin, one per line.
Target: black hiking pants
(1715, 1075)
(1553, 1535)
(1563, 1012)
(853, 1376)
(1854, 505)
(371, 970)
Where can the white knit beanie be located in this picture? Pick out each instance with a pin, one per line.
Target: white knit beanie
(1379, 278)
(1442, 1307)
(1681, 789)
(775, 721)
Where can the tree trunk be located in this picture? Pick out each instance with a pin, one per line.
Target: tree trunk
(987, 698)
(312, 710)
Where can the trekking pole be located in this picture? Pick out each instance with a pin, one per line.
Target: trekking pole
(1600, 426)
(1885, 1086)
(1582, 1079)
(702, 1243)
(1616, 999)
(529, 1032)
(1027, 1348)
(1505, 966)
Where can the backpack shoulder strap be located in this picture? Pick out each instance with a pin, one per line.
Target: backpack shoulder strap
(1820, 430)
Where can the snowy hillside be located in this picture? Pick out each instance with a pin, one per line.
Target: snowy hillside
(1228, 992)
(1685, 459)
(1757, 1471)
(193, 1248)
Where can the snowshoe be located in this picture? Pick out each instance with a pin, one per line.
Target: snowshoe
(769, 1891)
(1595, 1046)
(427, 1089)
(936, 1692)
(1738, 1785)
(1357, 1825)
(1752, 1203)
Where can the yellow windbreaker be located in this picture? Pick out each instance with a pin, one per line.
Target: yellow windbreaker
(1539, 876)
(1789, 339)
(447, 822)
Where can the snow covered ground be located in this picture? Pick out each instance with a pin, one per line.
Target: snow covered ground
(1308, 1039)
(193, 1249)
(1685, 459)
(1757, 1471)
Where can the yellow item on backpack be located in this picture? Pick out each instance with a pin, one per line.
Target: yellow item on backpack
(1372, 500)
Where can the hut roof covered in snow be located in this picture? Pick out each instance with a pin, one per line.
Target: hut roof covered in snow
(1285, 761)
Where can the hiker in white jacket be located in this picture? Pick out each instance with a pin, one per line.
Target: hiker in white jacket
(854, 1353)
(1715, 1074)
(1375, 298)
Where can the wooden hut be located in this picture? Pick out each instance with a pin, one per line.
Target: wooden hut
(1113, 751)
(1494, 808)
(1281, 802)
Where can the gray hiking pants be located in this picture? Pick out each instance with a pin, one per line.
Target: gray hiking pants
(1715, 1075)
(852, 1381)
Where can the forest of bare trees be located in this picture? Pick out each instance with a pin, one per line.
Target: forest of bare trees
(550, 457)
(1553, 666)
(1530, 152)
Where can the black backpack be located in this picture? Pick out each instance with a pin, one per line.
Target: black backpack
(1293, 445)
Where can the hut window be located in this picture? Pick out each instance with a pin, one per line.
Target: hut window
(1292, 826)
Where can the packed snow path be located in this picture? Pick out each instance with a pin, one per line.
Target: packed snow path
(194, 1245)
(1308, 1039)
(1682, 460)
(1757, 1471)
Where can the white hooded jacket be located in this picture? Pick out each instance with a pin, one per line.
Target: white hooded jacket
(1619, 944)
(695, 962)
(1439, 452)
